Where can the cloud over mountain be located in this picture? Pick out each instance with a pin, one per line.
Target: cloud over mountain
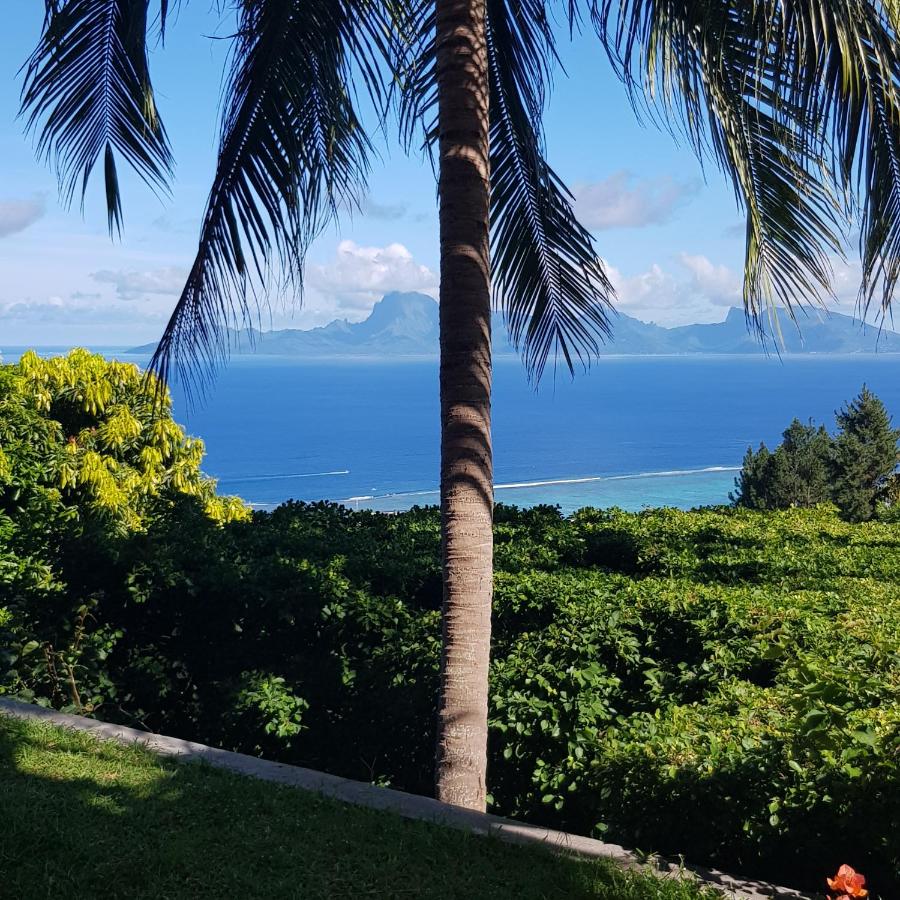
(357, 277)
(132, 284)
(697, 293)
(625, 201)
(406, 324)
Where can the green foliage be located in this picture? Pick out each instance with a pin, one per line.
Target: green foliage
(269, 705)
(736, 663)
(853, 470)
(865, 454)
(89, 458)
(796, 474)
(739, 664)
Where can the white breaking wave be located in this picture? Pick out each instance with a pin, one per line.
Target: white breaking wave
(528, 484)
(589, 478)
(585, 479)
(244, 478)
(674, 472)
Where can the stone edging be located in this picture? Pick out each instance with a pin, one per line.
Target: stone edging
(411, 806)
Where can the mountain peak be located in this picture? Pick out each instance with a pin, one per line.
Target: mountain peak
(402, 316)
(402, 303)
(407, 323)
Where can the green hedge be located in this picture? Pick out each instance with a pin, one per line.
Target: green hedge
(723, 684)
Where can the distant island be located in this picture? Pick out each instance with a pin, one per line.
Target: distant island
(406, 324)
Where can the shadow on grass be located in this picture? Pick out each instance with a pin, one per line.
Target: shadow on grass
(89, 819)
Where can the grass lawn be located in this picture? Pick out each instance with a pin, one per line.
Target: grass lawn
(89, 818)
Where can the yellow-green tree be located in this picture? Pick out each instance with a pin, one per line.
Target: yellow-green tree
(107, 443)
(90, 457)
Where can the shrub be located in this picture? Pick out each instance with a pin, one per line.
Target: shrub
(89, 458)
(854, 469)
(722, 684)
(736, 663)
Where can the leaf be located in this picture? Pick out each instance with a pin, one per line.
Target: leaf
(814, 720)
(547, 275)
(88, 93)
(806, 134)
(292, 153)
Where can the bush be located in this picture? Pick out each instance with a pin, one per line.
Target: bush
(89, 459)
(738, 664)
(722, 684)
(854, 470)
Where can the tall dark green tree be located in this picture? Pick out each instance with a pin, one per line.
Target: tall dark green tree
(797, 101)
(798, 473)
(865, 456)
(854, 470)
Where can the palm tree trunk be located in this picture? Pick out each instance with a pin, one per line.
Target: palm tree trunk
(466, 462)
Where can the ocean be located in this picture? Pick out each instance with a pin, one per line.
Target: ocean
(632, 432)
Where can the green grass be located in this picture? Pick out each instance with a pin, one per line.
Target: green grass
(90, 818)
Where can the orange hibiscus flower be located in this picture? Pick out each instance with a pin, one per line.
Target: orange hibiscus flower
(848, 883)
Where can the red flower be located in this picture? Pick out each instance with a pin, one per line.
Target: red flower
(849, 883)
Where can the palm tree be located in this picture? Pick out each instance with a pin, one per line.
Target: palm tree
(796, 101)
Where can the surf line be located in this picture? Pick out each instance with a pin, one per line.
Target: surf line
(245, 478)
(674, 473)
(591, 478)
(515, 485)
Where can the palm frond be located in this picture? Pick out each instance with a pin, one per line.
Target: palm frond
(840, 62)
(416, 79)
(864, 113)
(292, 152)
(547, 276)
(166, 7)
(87, 94)
(746, 82)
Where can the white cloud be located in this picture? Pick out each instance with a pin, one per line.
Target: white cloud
(701, 290)
(345, 286)
(357, 277)
(700, 293)
(132, 284)
(75, 310)
(55, 320)
(624, 201)
(846, 282)
(17, 215)
(718, 284)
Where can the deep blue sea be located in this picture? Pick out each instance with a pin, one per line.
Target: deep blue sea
(632, 432)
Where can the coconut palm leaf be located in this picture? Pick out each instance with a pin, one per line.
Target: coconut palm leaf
(87, 94)
(547, 277)
(842, 63)
(292, 151)
(863, 109)
(165, 8)
(717, 71)
(798, 103)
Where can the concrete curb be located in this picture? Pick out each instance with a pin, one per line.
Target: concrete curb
(410, 806)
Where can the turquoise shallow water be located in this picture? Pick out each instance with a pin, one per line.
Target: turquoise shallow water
(684, 489)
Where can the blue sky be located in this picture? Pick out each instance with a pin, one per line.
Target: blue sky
(671, 239)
